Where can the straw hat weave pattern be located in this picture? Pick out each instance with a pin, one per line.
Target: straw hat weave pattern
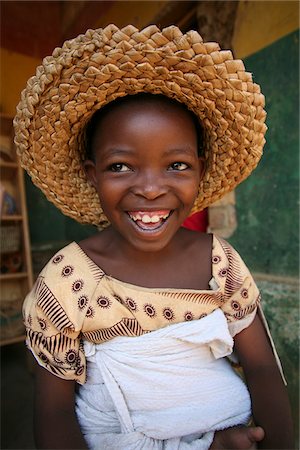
(102, 65)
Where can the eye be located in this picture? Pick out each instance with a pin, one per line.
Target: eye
(119, 167)
(179, 166)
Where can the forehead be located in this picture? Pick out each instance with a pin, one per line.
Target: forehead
(154, 115)
(135, 105)
(144, 102)
(143, 114)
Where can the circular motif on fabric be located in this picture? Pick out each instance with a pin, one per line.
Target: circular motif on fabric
(82, 302)
(57, 361)
(79, 371)
(103, 302)
(118, 298)
(149, 310)
(202, 316)
(223, 272)
(57, 259)
(244, 293)
(216, 259)
(235, 305)
(67, 271)
(90, 312)
(71, 357)
(43, 324)
(188, 316)
(131, 304)
(43, 358)
(168, 314)
(77, 285)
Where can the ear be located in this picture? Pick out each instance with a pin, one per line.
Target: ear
(90, 170)
(202, 166)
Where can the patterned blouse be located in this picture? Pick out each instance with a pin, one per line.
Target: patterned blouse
(74, 300)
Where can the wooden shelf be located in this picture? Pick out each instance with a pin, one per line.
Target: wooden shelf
(12, 340)
(8, 165)
(14, 286)
(12, 218)
(6, 116)
(13, 276)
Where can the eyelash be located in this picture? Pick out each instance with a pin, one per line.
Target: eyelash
(117, 167)
(177, 163)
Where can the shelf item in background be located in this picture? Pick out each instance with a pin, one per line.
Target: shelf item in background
(16, 268)
(11, 322)
(7, 202)
(10, 238)
(11, 262)
(5, 149)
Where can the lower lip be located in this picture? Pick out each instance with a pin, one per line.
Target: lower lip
(150, 228)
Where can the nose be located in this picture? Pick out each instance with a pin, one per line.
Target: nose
(150, 184)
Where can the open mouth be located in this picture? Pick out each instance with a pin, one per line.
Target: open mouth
(149, 220)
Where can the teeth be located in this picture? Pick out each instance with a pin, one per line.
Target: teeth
(147, 219)
(155, 219)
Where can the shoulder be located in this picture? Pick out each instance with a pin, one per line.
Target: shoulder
(69, 262)
(67, 279)
(240, 293)
(226, 255)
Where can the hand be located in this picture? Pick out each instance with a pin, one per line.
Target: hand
(237, 438)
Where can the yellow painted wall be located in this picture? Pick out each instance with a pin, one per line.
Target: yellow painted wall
(260, 23)
(15, 69)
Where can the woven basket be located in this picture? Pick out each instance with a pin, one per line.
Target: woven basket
(10, 238)
(11, 327)
(11, 320)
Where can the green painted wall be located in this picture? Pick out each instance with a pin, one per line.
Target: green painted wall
(49, 228)
(280, 303)
(267, 205)
(267, 202)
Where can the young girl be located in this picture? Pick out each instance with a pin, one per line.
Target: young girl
(131, 131)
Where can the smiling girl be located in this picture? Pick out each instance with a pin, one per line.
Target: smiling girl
(144, 314)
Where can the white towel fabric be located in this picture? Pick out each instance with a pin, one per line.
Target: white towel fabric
(169, 389)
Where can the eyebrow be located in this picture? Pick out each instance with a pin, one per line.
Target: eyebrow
(172, 151)
(117, 152)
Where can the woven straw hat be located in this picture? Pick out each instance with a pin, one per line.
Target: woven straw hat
(102, 65)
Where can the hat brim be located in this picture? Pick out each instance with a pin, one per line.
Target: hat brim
(102, 65)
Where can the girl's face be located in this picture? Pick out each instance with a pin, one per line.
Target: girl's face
(146, 171)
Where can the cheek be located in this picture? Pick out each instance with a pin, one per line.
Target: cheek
(110, 194)
(191, 189)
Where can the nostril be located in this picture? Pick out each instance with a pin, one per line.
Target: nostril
(149, 191)
(150, 194)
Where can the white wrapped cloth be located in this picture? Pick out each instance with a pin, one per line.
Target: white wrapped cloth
(169, 389)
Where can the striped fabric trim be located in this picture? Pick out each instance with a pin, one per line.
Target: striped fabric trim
(97, 273)
(234, 280)
(126, 327)
(56, 344)
(248, 310)
(51, 346)
(51, 307)
(214, 298)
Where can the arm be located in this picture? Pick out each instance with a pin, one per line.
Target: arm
(270, 404)
(55, 421)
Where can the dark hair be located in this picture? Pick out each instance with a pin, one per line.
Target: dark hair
(99, 115)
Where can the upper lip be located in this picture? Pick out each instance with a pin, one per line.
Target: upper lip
(147, 216)
(145, 210)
